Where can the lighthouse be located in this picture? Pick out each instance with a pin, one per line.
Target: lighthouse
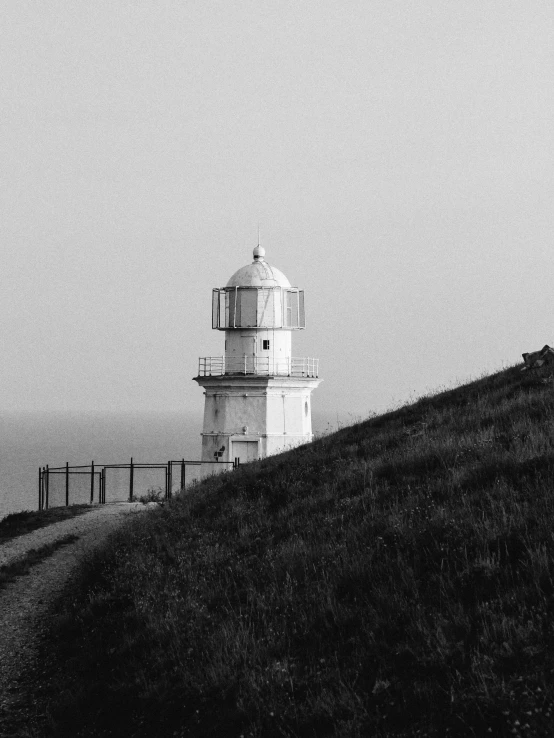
(257, 395)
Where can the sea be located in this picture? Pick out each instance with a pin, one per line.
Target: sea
(30, 441)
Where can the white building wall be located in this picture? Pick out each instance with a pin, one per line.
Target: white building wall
(268, 410)
(249, 343)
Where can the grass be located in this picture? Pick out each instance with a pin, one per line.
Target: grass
(395, 578)
(18, 524)
(10, 572)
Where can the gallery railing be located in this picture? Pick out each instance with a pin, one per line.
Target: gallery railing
(65, 485)
(260, 365)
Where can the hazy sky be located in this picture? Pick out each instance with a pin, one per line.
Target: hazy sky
(397, 155)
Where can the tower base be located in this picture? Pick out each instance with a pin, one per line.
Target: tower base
(249, 417)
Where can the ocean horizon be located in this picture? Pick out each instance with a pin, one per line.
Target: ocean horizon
(31, 440)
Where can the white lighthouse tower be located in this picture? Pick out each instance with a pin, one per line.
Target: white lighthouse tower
(257, 394)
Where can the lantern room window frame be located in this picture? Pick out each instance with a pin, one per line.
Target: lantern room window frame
(231, 312)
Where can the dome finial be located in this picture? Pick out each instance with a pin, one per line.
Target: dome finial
(259, 251)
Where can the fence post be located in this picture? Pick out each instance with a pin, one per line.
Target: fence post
(39, 488)
(131, 481)
(92, 482)
(183, 474)
(47, 486)
(169, 479)
(103, 485)
(66, 483)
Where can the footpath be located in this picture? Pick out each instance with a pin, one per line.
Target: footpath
(26, 603)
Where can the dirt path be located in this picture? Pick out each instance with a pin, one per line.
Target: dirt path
(25, 603)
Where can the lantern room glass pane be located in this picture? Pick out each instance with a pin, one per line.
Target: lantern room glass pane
(237, 308)
(291, 309)
(266, 316)
(230, 301)
(278, 308)
(248, 308)
(215, 308)
(222, 310)
(301, 311)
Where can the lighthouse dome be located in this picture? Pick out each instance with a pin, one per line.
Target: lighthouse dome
(258, 274)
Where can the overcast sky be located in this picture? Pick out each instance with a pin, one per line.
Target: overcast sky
(397, 155)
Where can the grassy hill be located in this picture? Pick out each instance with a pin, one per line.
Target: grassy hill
(395, 578)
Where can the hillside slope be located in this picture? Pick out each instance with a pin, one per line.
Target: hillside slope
(394, 578)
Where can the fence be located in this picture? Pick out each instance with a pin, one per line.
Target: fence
(65, 485)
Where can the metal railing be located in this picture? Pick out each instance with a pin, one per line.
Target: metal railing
(210, 366)
(90, 483)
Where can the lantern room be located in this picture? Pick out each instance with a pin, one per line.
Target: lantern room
(258, 308)
(258, 296)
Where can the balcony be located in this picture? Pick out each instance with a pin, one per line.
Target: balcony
(215, 366)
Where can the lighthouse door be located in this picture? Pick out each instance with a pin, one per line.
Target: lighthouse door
(245, 451)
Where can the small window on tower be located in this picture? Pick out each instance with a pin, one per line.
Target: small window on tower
(265, 345)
